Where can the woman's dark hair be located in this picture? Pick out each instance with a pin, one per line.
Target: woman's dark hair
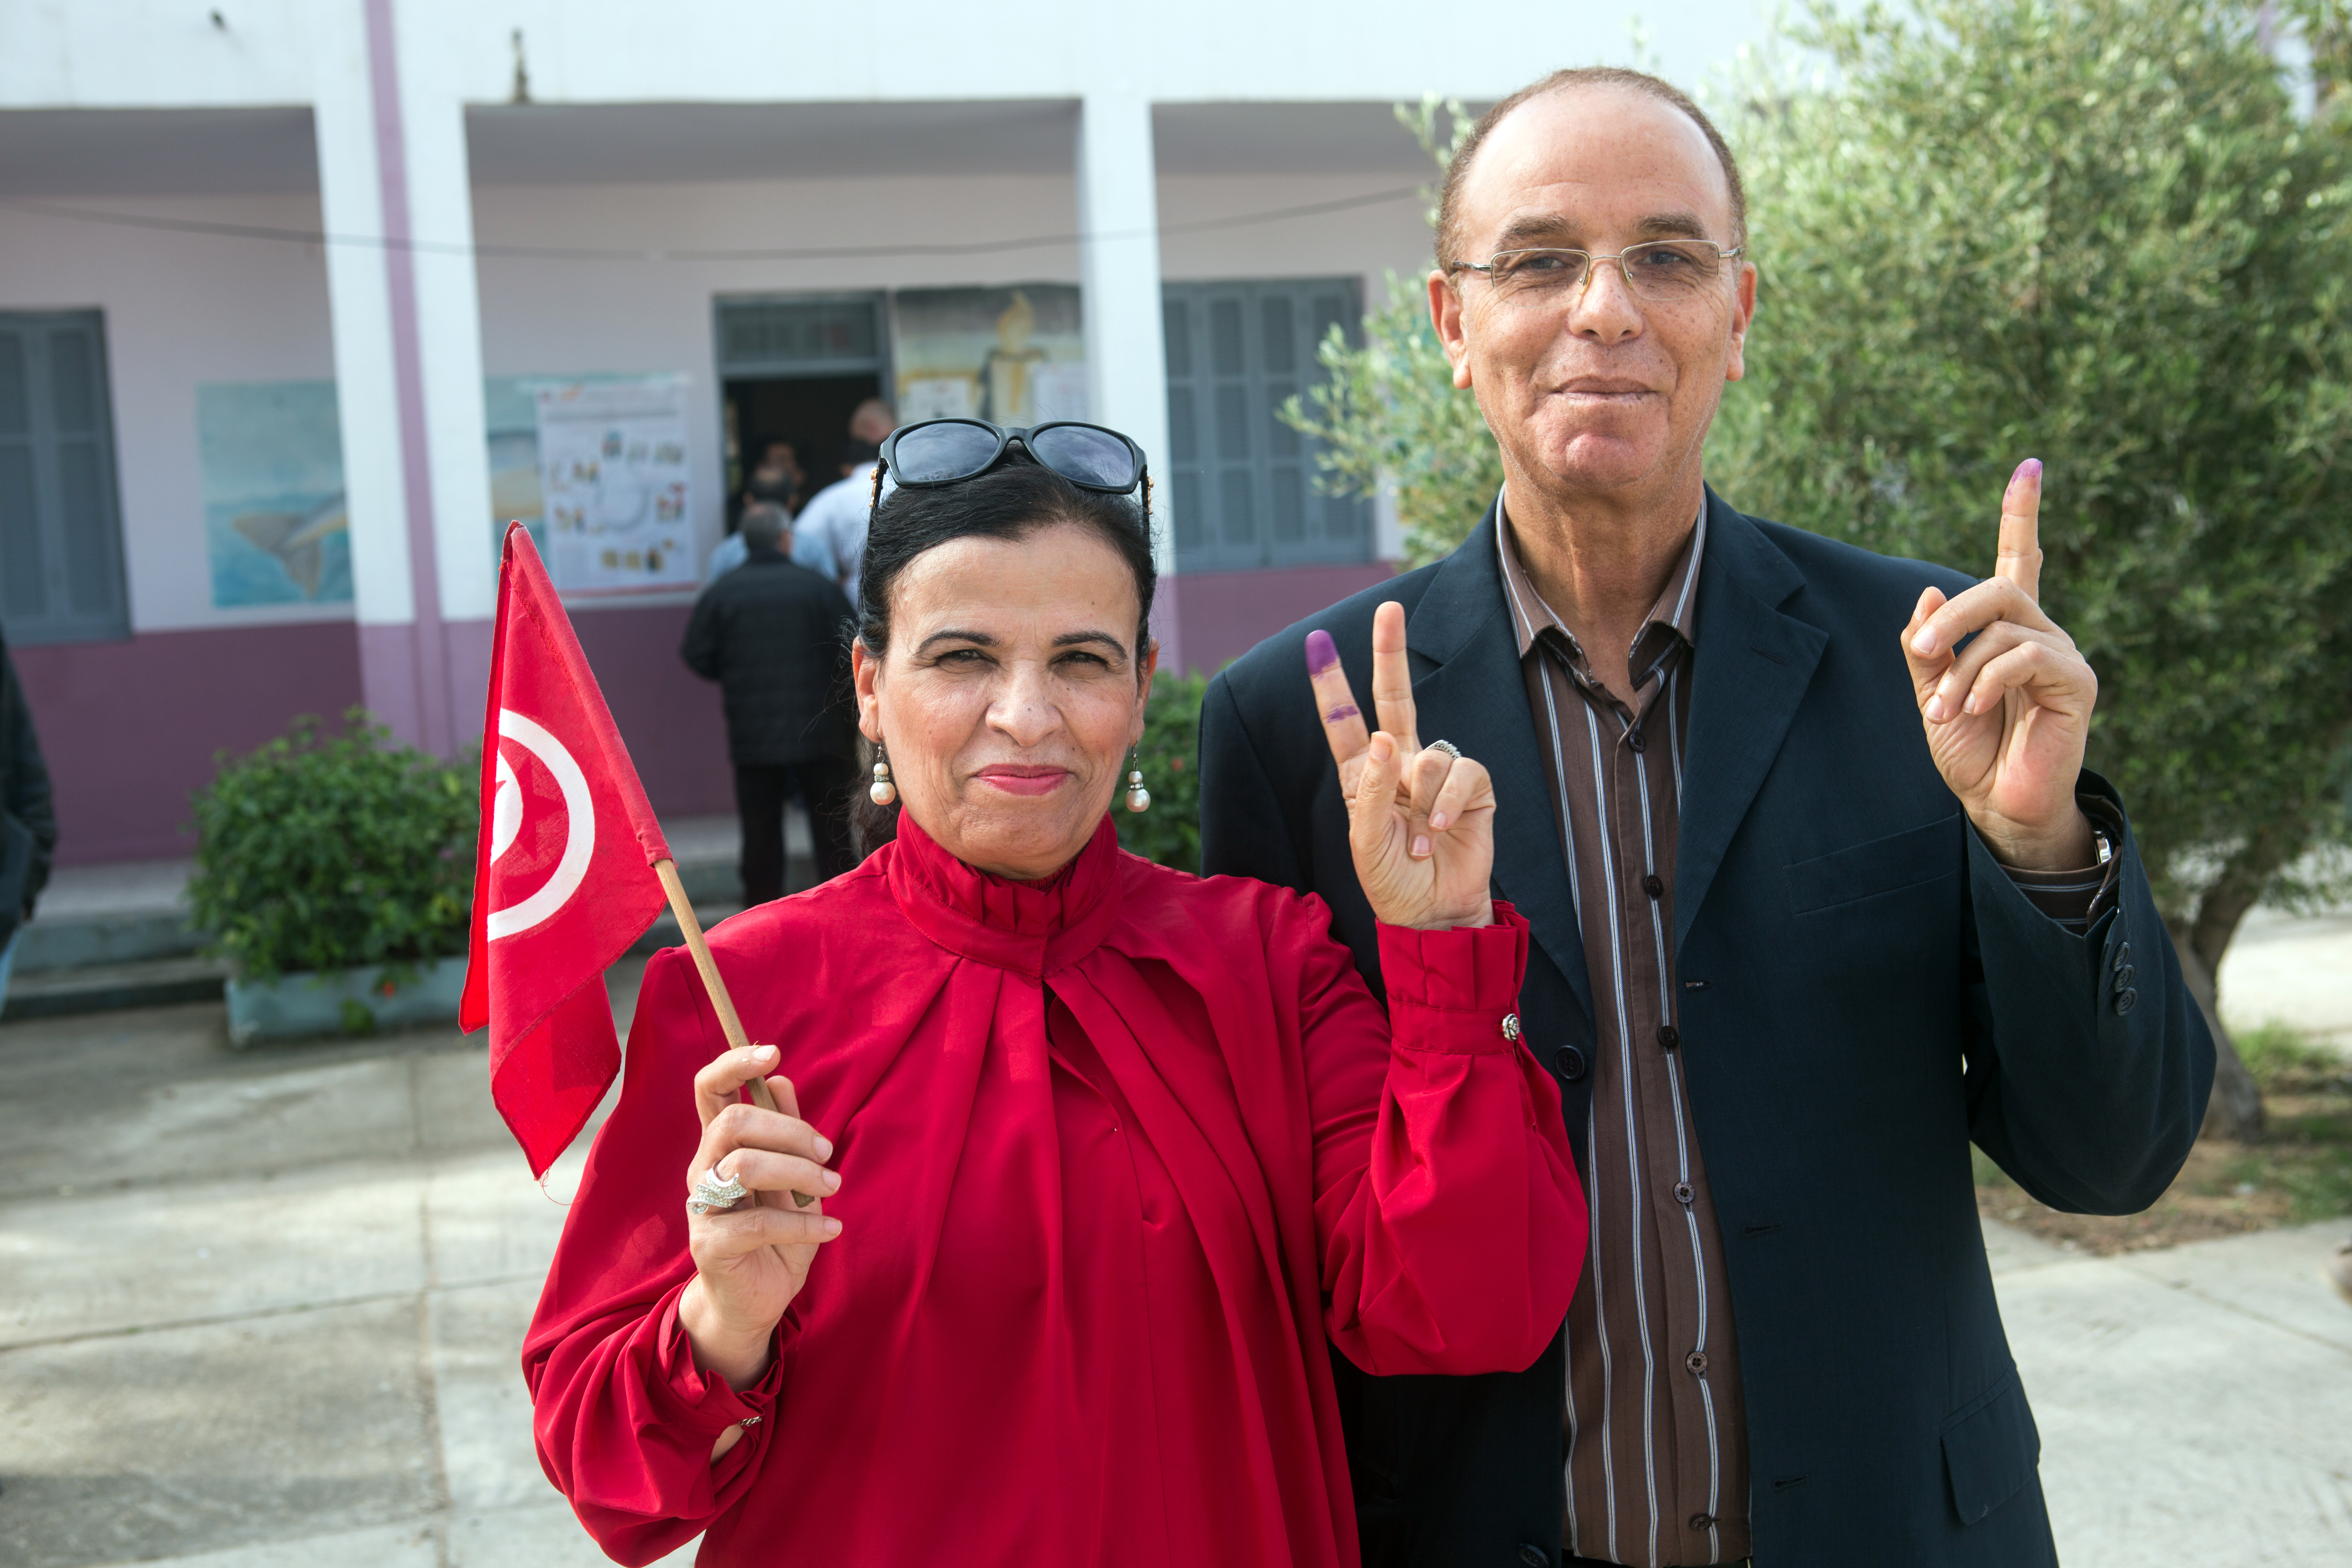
(1010, 502)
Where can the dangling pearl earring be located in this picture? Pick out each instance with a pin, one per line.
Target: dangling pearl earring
(882, 791)
(1139, 799)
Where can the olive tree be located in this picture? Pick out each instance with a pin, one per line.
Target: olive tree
(2102, 233)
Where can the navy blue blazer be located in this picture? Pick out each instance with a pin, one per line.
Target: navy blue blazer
(1864, 992)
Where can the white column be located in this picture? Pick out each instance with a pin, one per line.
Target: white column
(367, 399)
(1127, 368)
(450, 335)
(409, 369)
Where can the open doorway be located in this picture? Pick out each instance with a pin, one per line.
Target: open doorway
(809, 412)
(792, 368)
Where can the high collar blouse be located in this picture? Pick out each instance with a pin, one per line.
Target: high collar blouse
(1118, 1151)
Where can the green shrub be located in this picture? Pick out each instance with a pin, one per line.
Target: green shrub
(1170, 756)
(2276, 1051)
(320, 852)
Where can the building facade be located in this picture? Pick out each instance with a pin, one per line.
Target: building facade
(300, 299)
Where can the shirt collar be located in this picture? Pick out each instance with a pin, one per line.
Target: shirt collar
(1673, 617)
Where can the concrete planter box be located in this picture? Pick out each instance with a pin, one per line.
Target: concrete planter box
(300, 1006)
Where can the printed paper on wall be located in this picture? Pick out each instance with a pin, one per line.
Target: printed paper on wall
(614, 491)
(1014, 356)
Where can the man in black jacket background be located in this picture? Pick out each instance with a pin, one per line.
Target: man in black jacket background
(774, 636)
(1819, 890)
(28, 822)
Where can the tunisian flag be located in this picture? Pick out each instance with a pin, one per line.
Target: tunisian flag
(563, 884)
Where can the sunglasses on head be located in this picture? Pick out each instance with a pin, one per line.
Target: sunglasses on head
(945, 451)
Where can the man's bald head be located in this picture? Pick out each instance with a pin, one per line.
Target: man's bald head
(1449, 202)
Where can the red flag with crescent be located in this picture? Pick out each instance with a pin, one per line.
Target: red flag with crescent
(562, 876)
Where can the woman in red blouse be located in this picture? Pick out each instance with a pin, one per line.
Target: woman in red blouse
(1104, 1151)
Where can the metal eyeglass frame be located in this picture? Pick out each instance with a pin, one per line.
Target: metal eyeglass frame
(1005, 436)
(1593, 260)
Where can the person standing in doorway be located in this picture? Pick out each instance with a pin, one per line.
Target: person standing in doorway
(830, 536)
(773, 635)
(28, 822)
(776, 482)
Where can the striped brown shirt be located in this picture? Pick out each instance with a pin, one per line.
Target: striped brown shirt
(1655, 1446)
(1653, 1432)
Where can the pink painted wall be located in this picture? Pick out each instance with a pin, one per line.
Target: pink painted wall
(130, 728)
(1221, 616)
(669, 715)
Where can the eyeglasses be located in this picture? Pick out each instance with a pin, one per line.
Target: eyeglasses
(1663, 271)
(944, 451)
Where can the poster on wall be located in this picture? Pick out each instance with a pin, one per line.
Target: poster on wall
(510, 416)
(1012, 356)
(269, 459)
(615, 501)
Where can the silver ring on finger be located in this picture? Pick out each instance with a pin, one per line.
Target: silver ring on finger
(715, 1195)
(1448, 747)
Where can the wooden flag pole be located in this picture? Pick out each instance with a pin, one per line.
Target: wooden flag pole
(720, 1003)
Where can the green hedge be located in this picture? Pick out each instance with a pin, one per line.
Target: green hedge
(326, 852)
(1170, 756)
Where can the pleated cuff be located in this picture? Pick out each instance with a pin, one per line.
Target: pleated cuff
(693, 1400)
(1455, 991)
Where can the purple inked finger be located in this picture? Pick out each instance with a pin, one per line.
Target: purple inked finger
(1345, 710)
(1322, 653)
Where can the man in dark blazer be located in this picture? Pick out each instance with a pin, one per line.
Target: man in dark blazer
(1820, 893)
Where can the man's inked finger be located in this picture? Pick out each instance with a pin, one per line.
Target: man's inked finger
(2020, 558)
(1343, 722)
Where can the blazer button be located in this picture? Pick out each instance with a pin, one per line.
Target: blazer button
(1569, 1061)
(2123, 956)
(2126, 1001)
(1533, 1556)
(1669, 1036)
(2125, 976)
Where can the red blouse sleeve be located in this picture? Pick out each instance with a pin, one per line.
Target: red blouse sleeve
(1447, 1207)
(624, 1421)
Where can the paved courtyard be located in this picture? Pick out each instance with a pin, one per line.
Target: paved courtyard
(261, 1310)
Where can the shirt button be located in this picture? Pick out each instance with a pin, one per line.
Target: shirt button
(1682, 1192)
(2126, 1001)
(1570, 1063)
(1510, 1026)
(1652, 886)
(1633, 739)
(1696, 1361)
(1669, 1036)
(1702, 1521)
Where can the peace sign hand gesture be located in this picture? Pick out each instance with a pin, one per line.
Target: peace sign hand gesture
(1421, 819)
(2007, 716)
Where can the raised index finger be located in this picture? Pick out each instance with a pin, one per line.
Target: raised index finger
(1393, 678)
(2020, 559)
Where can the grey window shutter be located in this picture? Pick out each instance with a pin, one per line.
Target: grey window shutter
(60, 520)
(1246, 493)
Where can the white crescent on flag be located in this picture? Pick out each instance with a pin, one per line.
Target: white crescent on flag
(506, 823)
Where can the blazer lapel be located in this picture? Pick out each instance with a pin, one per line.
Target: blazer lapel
(1753, 665)
(1476, 697)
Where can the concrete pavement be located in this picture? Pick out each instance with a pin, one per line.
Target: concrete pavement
(262, 1310)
